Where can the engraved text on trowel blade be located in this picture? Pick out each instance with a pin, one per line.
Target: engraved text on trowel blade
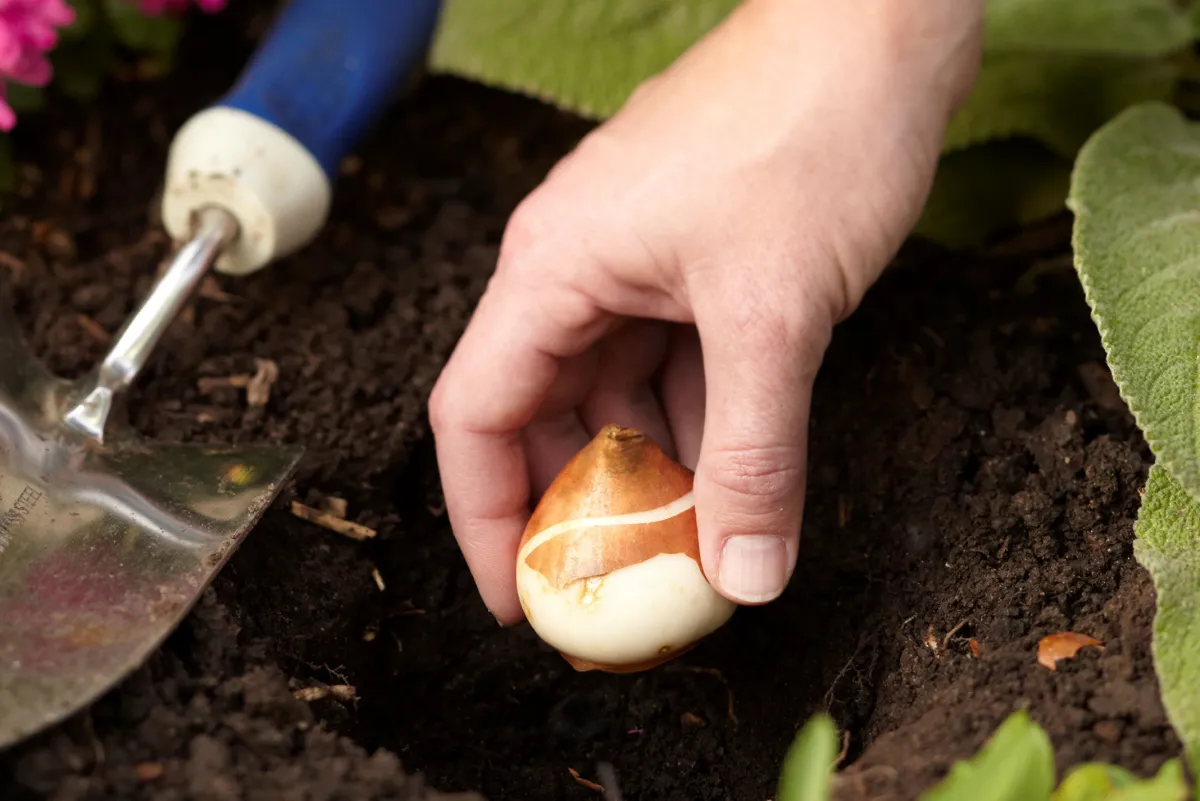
(17, 514)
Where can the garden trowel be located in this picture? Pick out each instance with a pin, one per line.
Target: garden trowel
(106, 538)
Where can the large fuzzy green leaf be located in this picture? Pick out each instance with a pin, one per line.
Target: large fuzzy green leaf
(1108, 27)
(586, 56)
(1058, 99)
(1135, 192)
(1168, 546)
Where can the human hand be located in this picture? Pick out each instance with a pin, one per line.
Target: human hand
(705, 239)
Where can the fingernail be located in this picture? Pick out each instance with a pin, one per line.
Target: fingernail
(754, 569)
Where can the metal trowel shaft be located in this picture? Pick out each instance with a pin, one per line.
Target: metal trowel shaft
(215, 229)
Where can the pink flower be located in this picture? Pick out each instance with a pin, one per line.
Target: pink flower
(28, 29)
(156, 7)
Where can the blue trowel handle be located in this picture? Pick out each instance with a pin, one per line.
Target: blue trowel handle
(270, 149)
(327, 68)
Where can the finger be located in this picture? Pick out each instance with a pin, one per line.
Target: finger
(621, 394)
(550, 443)
(556, 434)
(682, 391)
(491, 388)
(749, 487)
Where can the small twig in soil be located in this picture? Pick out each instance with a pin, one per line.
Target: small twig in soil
(338, 672)
(721, 677)
(375, 574)
(208, 383)
(951, 633)
(258, 390)
(257, 386)
(1000, 554)
(342, 692)
(409, 610)
(93, 329)
(334, 506)
(148, 771)
(607, 775)
(354, 531)
(211, 290)
(584, 782)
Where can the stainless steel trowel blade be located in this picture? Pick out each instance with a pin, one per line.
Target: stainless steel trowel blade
(103, 548)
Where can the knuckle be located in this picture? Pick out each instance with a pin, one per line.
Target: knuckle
(541, 239)
(444, 406)
(526, 226)
(768, 320)
(759, 325)
(766, 476)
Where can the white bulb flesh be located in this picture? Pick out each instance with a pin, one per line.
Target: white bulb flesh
(631, 615)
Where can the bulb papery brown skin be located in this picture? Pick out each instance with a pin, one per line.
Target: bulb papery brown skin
(608, 569)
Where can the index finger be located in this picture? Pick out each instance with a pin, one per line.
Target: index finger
(490, 389)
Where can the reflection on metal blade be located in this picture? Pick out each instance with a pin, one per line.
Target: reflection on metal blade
(103, 549)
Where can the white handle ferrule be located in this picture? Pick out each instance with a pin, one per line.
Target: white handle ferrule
(272, 185)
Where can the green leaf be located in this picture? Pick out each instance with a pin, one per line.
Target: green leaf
(1168, 546)
(980, 191)
(1098, 782)
(583, 55)
(1059, 99)
(809, 762)
(1135, 192)
(1107, 27)
(1016, 764)
(142, 32)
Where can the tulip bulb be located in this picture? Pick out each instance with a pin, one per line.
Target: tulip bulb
(608, 569)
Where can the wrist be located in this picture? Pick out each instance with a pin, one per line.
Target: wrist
(932, 45)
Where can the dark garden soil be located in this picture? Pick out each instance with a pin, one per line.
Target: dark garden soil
(974, 481)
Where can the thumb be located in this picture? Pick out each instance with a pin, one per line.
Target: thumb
(750, 476)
